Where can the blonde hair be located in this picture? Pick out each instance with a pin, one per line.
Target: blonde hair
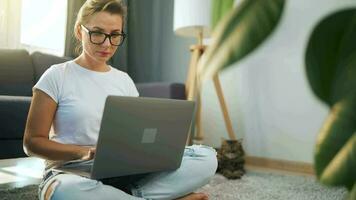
(90, 7)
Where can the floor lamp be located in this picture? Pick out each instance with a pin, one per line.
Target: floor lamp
(192, 18)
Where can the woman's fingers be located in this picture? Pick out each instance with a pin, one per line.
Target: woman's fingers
(92, 153)
(89, 153)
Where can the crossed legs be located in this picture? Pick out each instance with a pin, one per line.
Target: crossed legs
(198, 166)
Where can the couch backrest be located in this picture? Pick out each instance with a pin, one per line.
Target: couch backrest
(16, 73)
(162, 90)
(42, 62)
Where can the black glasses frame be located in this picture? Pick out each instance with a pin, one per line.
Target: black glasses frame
(106, 36)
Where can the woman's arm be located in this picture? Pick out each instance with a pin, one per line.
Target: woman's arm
(39, 121)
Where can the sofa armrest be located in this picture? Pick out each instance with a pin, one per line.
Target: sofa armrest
(162, 90)
(14, 111)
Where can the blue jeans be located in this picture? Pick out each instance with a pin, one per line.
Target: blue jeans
(198, 165)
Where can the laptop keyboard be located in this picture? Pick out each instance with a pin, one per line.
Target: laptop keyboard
(80, 165)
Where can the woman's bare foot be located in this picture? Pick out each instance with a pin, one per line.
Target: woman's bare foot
(195, 196)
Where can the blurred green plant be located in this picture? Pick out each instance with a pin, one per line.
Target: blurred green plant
(238, 33)
(331, 71)
(219, 9)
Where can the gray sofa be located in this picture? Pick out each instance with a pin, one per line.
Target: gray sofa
(19, 71)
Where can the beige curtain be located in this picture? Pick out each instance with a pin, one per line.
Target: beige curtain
(73, 8)
(10, 23)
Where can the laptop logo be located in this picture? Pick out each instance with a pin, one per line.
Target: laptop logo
(149, 135)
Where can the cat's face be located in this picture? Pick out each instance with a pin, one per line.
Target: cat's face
(230, 149)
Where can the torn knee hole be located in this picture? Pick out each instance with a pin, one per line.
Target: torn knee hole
(49, 192)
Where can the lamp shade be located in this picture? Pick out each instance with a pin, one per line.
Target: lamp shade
(192, 17)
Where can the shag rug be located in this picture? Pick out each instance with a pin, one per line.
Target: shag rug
(268, 186)
(24, 193)
(252, 186)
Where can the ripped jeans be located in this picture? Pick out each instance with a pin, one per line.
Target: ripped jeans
(198, 165)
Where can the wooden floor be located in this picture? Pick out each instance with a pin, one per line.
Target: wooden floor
(20, 172)
(277, 171)
(281, 166)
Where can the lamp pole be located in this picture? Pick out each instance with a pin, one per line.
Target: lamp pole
(192, 19)
(192, 90)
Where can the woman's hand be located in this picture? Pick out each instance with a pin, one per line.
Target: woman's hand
(88, 153)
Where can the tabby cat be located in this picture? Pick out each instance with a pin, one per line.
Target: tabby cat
(231, 159)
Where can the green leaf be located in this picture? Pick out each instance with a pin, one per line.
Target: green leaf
(352, 195)
(331, 71)
(335, 153)
(331, 57)
(342, 169)
(219, 9)
(239, 33)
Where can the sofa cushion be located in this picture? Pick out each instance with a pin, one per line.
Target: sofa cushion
(162, 90)
(16, 73)
(14, 111)
(11, 149)
(43, 61)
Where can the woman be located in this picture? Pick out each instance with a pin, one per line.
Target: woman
(71, 96)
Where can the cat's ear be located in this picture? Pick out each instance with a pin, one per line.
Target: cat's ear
(223, 140)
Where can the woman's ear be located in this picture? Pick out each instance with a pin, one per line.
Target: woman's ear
(78, 33)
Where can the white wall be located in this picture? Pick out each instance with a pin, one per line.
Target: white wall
(271, 105)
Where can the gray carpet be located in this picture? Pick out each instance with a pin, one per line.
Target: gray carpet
(25, 193)
(252, 186)
(268, 186)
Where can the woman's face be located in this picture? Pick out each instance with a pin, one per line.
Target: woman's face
(101, 22)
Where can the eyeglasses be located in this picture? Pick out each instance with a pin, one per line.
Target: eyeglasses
(97, 37)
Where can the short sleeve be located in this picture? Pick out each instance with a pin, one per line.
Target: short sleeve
(131, 87)
(50, 83)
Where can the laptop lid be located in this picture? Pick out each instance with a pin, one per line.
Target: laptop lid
(141, 135)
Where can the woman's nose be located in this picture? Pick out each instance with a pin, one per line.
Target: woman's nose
(106, 42)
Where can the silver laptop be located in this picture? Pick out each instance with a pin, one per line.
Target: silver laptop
(139, 135)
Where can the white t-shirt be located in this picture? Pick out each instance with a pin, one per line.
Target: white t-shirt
(80, 94)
